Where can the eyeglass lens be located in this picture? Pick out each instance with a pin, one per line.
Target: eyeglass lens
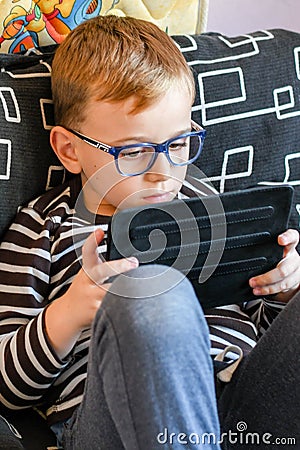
(138, 159)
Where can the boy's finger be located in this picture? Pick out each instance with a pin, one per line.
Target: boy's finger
(289, 239)
(90, 254)
(289, 283)
(106, 270)
(286, 270)
(288, 265)
(97, 270)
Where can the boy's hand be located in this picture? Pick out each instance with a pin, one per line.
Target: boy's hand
(67, 316)
(88, 289)
(284, 280)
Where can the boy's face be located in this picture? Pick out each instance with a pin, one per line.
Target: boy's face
(105, 190)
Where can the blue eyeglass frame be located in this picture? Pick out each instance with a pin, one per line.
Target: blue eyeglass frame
(158, 148)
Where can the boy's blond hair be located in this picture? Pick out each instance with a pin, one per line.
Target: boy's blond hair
(111, 59)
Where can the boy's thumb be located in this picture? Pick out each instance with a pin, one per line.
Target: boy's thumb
(90, 256)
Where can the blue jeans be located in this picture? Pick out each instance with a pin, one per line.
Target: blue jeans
(150, 381)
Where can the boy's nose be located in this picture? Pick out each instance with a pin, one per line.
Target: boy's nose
(160, 169)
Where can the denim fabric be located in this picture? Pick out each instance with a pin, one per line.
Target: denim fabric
(58, 429)
(150, 378)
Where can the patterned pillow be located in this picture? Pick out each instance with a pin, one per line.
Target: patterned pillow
(248, 99)
(28, 166)
(26, 24)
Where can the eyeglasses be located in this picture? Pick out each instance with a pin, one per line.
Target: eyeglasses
(136, 159)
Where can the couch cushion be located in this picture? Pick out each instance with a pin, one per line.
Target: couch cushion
(28, 166)
(248, 99)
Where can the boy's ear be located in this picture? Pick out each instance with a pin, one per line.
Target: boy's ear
(62, 142)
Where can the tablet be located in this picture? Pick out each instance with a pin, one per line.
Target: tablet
(219, 242)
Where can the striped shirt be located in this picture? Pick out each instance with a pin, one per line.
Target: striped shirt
(39, 258)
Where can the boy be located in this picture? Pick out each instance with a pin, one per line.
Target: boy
(118, 83)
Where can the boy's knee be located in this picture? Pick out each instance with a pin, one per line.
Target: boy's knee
(149, 281)
(154, 299)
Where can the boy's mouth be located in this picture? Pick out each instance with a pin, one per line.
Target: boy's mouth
(160, 197)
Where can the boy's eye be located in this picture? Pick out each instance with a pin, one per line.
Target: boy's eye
(178, 145)
(135, 152)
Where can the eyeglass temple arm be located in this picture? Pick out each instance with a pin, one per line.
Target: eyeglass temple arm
(196, 126)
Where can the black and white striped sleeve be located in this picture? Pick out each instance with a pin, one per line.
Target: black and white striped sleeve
(28, 364)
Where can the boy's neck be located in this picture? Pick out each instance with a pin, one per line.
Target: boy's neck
(103, 209)
(91, 199)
